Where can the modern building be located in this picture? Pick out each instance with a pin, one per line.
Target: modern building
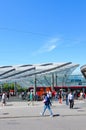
(83, 70)
(37, 75)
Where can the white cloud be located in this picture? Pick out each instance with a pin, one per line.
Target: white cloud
(49, 46)
(52, 47)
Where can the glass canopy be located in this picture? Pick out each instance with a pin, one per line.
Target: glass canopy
(50, 74)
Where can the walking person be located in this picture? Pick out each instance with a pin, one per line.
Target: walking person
(60, 97)
(71, 99)
(3, 99)
(31, 97)
(47, 105)
(67, 102)
(8, 95)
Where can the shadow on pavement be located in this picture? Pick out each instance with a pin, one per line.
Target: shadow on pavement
(56, 115)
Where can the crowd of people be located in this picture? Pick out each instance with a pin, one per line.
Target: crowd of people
(47, 98)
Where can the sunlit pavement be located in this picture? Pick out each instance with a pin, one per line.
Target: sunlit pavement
(23, 109)
(20, 115)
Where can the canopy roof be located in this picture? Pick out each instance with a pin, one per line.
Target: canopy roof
(24, 74)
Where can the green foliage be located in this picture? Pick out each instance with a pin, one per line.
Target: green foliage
(6, 87)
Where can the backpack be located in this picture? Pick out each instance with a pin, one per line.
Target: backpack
(47, 100)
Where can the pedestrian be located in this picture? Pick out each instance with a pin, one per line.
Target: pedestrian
(8, 95)
(67, 102)
(71, 99)
(3, 99)
(60, 96)
(47, 105)
(31, 97)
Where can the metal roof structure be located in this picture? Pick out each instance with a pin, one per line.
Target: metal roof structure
(83, 70)
(25, 74)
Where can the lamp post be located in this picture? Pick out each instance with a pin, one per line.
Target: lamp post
(52, 81)
(35, 85)
(56, 80)
(63, 81)
(1, 88)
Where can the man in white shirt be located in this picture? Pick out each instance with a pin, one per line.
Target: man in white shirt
(71, 99)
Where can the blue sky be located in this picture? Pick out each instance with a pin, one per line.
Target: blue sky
(42, 31)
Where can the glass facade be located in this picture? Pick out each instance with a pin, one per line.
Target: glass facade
(43, 75)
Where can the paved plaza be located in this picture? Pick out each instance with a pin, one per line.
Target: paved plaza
(18, 115)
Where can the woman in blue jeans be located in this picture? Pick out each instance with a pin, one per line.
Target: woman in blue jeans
(47, 105)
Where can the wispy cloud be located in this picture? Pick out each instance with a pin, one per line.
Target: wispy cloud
(52, 47)
(49, 46)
